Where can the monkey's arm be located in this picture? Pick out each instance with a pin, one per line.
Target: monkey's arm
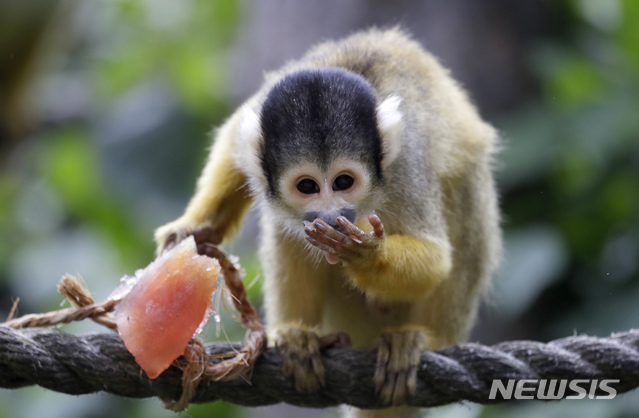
(402, 269)
(387, 267)
(221, 198)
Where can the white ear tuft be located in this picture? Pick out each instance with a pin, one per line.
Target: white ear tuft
(249, 127)
(389, 120)
(247, 152)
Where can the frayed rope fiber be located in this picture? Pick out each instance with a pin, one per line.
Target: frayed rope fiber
(99, 362)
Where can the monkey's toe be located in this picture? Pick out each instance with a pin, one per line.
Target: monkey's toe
(300, 351)
(397, 362)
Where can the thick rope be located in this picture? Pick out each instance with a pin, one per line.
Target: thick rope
(100, 362)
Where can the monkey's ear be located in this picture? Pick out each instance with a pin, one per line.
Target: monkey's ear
(247, 153)
(389, 121)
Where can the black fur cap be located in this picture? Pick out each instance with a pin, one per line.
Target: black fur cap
(316, 115)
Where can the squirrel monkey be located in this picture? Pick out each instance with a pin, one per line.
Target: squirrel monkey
(372, 172)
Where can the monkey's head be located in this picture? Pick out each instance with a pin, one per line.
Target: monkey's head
(320, 146)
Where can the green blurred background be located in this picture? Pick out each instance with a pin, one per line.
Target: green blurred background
(105, 108)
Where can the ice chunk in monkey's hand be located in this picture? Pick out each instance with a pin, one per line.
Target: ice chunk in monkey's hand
(167, 303)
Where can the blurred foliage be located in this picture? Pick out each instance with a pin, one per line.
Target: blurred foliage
(70, 165)
(569, 175)
(84, 193)
(125, 111)
(571, 168)
(180, 41)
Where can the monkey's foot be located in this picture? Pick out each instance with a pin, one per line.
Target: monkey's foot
(398, 355)
(300, 351)
(352, 246)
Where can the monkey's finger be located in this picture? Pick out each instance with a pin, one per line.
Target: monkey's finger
(376, 223)
(170, 241)
(400, 391)
(323, 247)
(308, 228)
(331, 259)
(323, 242)
(354, 232)
(335, 251)
(317, 238)
(311, 232)
(383, 355)
(325, 229)
(338, 245)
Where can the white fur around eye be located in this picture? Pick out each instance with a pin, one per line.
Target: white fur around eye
(389, 120)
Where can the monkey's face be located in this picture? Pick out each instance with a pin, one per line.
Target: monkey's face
(318, 146)
(309, 192)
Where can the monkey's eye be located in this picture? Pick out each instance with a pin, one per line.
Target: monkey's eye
(343, 182)
(308, 186)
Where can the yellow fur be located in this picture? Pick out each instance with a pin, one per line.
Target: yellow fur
(402, 269)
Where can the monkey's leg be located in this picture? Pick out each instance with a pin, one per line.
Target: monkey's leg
(300, 351)
(294, 293)
(398, 354)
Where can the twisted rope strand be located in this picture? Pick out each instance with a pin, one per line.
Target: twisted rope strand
(100, 362)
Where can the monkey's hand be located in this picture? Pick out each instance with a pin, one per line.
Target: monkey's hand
(171, 234)
(351, 247)
(398, 355)
(300, 351)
